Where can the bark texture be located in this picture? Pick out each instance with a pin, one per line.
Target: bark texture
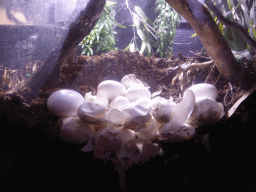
(208, 32)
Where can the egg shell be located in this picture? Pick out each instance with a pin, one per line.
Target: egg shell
(102, 99)
(149, 130)
(130, 80)
(111, 88)
(135, 92)
(161, 109)
(106, 139)
(180, 114)
(91, 112)
(138, 113)
(118, 102)
(206, 110)
(204, 90)
(143, 101)
(140, 150)
(115, 116)
(184, 134)
(74, 131)
(65, 102)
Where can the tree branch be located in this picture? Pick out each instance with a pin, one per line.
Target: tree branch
(208, 32)
(80, 28)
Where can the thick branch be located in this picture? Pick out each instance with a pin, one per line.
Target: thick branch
(208, 32)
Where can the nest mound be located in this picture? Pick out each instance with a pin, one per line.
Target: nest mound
(170, 75)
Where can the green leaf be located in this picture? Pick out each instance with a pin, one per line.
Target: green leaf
(143, 15)
(221, 27)
(101, 24)
(114, 22)
(128, 47)
(132, 47)
(110, 3)
(161, 54)
(254, 33)
(91, 51)
(157, 51)
(83, 52)
(193, 35)
(253, 13)
(148, 46)
(97, 36)
(162, 45)
(158, 8)
(143, 47)
(136, 21)
(234, 39)
(141, 34)
(107, 27)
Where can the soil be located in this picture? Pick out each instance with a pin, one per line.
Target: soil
(32, 155)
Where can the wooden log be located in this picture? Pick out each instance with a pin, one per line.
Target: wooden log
(208, 32)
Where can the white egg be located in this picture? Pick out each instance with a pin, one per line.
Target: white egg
(184, 134)
(118, 102)
(125, 135)
(180, 114)
(161, 109)
(117, 117)
(130, 80)
(121, 113)
(111, 88)
(91, 112)
(102, 99)
(135, 92)
(105, 142)
(206, 110)
(137, 114)
(143, 101)
(89, 97)
(204, 90)
(74, 131)
(148, 130)
(140, 150)
(105, 139)
(65, 102)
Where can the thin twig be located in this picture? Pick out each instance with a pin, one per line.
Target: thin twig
(208, 76)
(217, 80)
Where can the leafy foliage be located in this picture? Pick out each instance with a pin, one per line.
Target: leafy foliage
(241, 12)
(157, 35)
(102, 37)
(165, 26)
(143, 26)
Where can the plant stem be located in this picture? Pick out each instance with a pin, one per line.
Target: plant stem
(122, 179)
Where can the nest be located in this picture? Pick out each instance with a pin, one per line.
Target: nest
(172, 76)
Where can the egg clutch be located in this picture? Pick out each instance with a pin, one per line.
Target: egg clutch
(123, 119)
